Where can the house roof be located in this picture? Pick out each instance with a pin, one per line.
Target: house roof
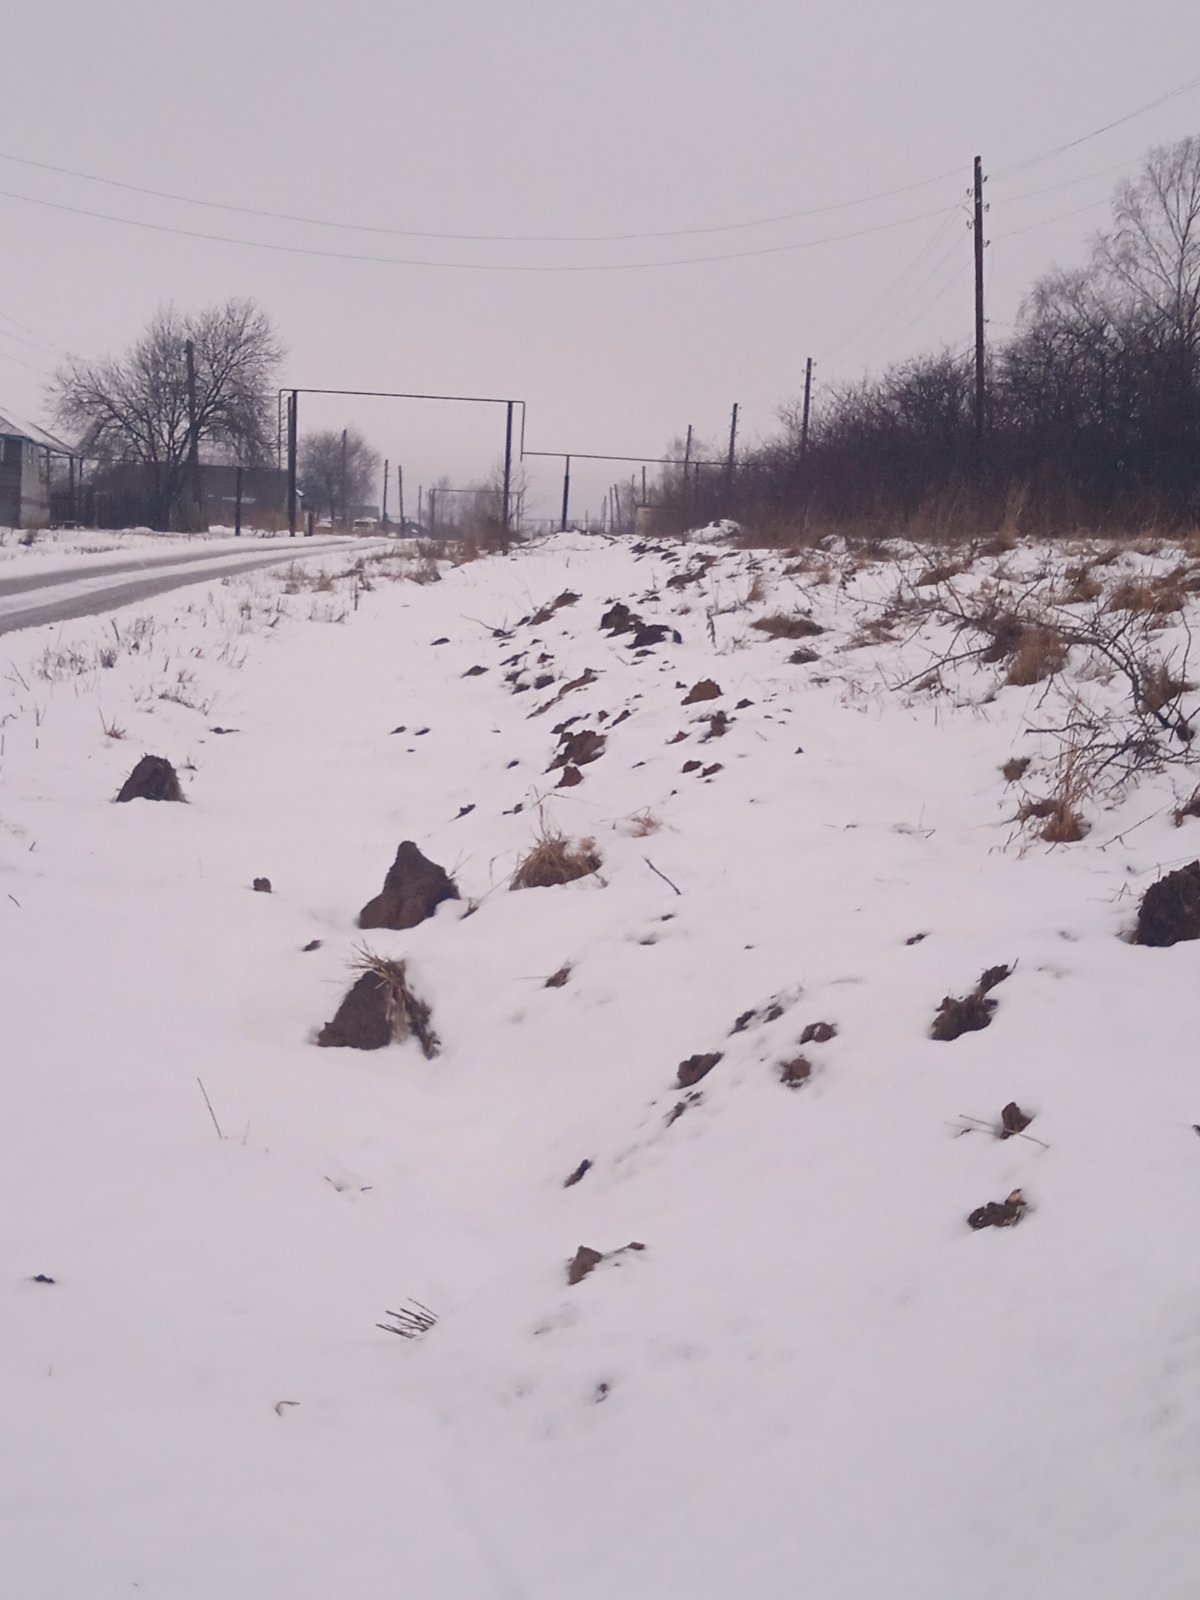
(14, 428)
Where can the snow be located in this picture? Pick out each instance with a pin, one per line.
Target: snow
(93, 550)
(817, 1378)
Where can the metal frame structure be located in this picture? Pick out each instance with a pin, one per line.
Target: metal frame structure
(293, 394)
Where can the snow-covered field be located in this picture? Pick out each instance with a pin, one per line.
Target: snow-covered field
(815, 1379)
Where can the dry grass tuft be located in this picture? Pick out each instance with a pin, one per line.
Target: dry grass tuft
(1155, 597)
(1041, 653)
(1159, 687)
(1082, 585)
(785, 625)
(554, 860)
(1189, 808)
(407, 1016)
(643, 823)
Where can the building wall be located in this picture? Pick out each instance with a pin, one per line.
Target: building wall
(24, 484)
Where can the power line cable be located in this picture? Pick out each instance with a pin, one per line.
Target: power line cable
(1107, 127)
(586, 238)
(479, 238)
(466, 266)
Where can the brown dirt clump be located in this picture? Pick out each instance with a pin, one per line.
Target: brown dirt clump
(795, 1073)
(379, 1008)
(1015, 768)
(803, 657)
(1013, 1120)
(262, 885)
(706, 689)
(695, 1068)
(788, 625)
(585, 1259)
(577, 749)
(973, 1012)
(1170, 909)
(554, 860)
(154, 778)
(999, 1213)
(819, 1033)
(413, 889)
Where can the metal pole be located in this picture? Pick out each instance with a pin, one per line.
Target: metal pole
(980, 376)
(237, 503)
(508, 443)
(566, 492)
(293, 405)
(808, 366)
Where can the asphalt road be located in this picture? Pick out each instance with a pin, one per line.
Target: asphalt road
(34, 600)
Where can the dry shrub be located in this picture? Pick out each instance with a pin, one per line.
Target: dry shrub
(784, 625)
(757, 592)
(1189, 808)
(554, 860)
(1041, 653)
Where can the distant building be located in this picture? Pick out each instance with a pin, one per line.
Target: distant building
(25, 453)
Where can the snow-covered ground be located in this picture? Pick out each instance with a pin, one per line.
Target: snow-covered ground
(45, 550)
(815, 1379)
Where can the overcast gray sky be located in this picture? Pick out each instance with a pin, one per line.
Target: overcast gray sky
(556, 117)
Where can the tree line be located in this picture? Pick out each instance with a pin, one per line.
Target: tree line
(1092, 415)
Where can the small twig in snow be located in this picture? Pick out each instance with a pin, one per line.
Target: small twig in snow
(662, 875)
(211, 1112)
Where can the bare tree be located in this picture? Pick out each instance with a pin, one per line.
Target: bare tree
(320, 471)
(1153, 250)
(136, 408)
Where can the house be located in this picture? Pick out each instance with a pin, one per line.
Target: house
(25, 453)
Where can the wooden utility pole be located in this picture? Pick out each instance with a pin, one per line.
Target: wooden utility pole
(345, 513)
(566, 501)
(387, 473)
(980, 370)
(508, 432)
(804, 416)
(400, 492)
(732, 450)
(189, 354)
(237, 503)
(293, 404)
